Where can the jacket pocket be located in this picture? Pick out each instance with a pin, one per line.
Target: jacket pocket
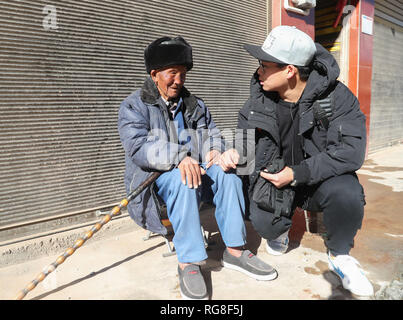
(307, 121)
(273, 200)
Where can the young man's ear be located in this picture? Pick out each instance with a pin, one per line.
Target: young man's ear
(291, 71)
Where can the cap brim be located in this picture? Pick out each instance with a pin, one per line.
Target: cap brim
(258, 53)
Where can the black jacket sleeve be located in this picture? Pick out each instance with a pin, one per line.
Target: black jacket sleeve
(346, 142)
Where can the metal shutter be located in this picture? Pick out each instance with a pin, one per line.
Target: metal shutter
(60, 91)
(386, 116)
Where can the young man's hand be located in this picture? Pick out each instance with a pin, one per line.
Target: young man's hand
(279, 179)
(191, 172)
(229, 159)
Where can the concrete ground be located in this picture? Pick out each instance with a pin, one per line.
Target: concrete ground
(117, 264)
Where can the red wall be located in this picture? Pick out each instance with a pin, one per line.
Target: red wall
(365, 64)
(282, 17)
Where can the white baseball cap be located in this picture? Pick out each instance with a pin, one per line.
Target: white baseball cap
(286, 45)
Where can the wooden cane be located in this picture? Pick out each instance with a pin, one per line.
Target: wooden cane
(52, 267)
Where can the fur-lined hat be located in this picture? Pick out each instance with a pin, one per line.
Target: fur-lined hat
(166, 51)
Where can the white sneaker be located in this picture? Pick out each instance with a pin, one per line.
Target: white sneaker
(278, 246)
(351, 275)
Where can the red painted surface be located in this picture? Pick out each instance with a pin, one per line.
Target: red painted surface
(365, 64)
(360, 58)
(354, 50)
(339, 7)
(282, 17)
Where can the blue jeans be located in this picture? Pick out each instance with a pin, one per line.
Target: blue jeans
(224, 190)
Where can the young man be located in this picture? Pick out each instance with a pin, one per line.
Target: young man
(321, 148)
(163, 127)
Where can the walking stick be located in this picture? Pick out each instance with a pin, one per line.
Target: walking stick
(88, 235)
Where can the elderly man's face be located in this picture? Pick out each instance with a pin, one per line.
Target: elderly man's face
(169, 81)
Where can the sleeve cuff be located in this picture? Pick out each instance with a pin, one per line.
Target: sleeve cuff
(301, 173)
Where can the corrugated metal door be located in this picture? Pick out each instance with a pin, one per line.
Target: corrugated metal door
(66, 67)
(386, 116)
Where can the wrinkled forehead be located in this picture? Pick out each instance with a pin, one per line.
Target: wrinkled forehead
(175, 68)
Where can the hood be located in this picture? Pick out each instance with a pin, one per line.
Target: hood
(255, 87)
(323, 76)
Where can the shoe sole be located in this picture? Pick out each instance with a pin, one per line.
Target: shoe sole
(268, 277)
(346, 287)
(185, 297)
(273, 252)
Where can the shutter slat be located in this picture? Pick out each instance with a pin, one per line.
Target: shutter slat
(60, 91)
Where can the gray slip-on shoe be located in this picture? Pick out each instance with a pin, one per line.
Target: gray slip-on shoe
(250, 265)
(191, 283)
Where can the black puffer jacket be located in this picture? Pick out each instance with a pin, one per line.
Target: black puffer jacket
(327, 153)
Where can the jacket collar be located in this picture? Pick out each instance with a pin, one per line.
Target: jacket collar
(322, 79)
(150, 94)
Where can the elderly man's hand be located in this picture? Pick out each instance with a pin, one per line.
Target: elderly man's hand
(229, 159)
(279, 179)
(191, 172)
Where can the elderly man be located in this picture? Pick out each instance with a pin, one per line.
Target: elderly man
(163, 127)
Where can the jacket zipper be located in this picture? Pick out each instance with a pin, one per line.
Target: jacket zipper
(293, 135)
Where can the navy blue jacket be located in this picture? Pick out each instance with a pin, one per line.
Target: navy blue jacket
(149, 138)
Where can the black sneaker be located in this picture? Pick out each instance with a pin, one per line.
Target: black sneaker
(191, 283)
(250, 265)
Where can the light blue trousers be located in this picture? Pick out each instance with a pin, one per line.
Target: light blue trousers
(224, 190)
